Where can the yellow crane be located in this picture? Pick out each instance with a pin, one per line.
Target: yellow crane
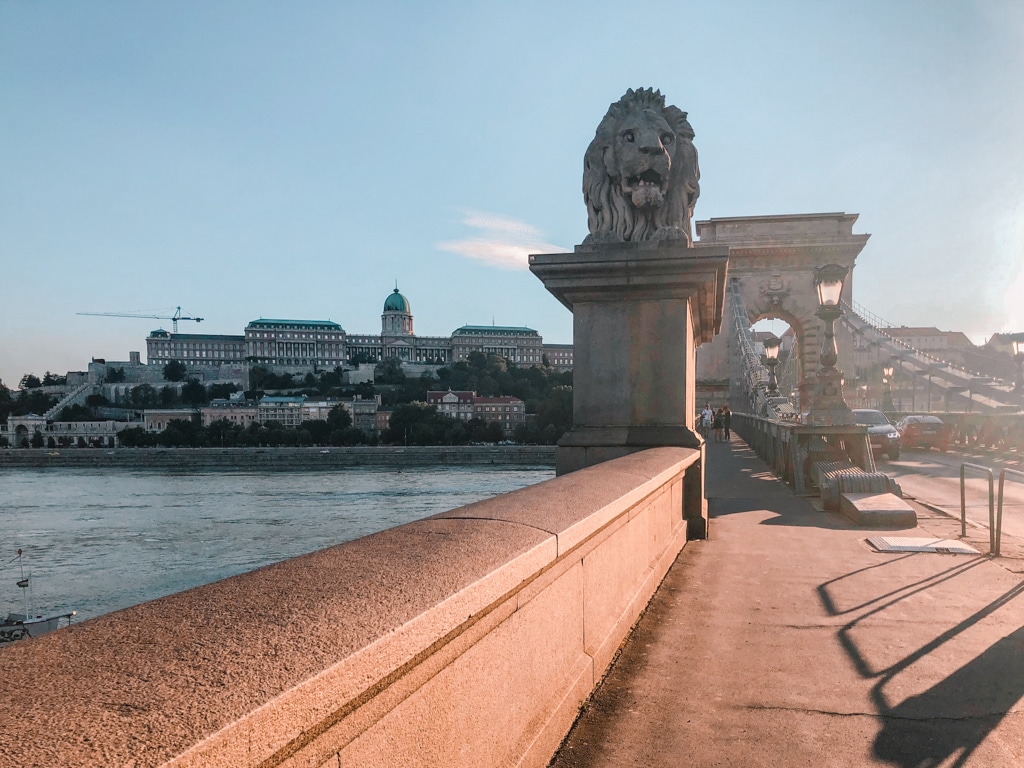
(173, 318)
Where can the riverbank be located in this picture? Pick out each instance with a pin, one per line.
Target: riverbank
(279, 458)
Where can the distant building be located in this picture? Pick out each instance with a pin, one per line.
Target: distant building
(296, 343)
(193, 348)
(457, 405)
(507, 411)
(287, 411)
(324, 344)
(158, 419)
(929, 339)
(239, 412)
(522, 346)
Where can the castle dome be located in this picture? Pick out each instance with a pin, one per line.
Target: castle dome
(396, 302)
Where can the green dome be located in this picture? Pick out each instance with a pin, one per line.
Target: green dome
(396, 302)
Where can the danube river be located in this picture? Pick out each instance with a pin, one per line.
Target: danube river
(97, 540)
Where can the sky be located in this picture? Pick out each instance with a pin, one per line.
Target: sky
(247, 159)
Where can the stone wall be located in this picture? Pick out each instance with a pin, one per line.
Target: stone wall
(467, 639)
(186, 459)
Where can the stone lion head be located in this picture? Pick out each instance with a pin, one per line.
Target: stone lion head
(640, 174)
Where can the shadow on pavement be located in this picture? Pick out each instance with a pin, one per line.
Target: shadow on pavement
(956, 714)
(953, 717)
(782, 508)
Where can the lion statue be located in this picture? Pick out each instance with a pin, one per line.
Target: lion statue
(640, 172)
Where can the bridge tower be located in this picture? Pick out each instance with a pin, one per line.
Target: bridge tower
(773, 259)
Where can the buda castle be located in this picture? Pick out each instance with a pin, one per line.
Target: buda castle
(305, 345)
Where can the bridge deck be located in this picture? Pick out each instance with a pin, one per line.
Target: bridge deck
(785, 640)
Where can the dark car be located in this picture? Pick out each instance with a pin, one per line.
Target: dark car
(924, 432)
(883, 436)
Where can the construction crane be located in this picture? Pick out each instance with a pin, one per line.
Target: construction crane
(173, 318)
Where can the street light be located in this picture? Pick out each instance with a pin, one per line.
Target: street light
(1018, 356)
(771, 353)
(887, 371)
(829, 407)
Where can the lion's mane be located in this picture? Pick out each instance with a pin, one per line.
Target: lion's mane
(611, 213)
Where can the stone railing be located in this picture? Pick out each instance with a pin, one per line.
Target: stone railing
(466, 639)
(791, 450)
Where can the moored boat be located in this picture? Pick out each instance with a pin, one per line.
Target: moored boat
(19, 626)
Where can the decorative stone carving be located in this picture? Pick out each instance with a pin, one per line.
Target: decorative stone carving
(640, 173)
(774, 289)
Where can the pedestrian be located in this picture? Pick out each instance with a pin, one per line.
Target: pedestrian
(719, 425)
(706, 418)
(727, 422)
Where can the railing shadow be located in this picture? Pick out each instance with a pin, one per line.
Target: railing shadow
(782, 511)
(949, 720)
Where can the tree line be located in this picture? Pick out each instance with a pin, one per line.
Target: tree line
(546, 393)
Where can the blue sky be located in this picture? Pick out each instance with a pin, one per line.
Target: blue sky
(266, 159)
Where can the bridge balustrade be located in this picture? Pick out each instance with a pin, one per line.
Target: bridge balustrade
(469, 638)
(791, 449)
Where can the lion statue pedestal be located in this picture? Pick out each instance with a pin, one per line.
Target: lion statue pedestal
(642, 295)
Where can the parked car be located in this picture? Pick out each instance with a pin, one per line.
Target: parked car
(883, 436)
(924, 432)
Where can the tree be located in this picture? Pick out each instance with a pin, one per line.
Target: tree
(143, 396)
(223, 432)
(319, 431)
(75, 413)
(339, 417)
(175, 370)
(53, 380)
(136, 437)
(6, 402)
(115, 375)
(180, 432)
(29, 381)
(194, 393)
(389, 371)
(221, 391)
(421, 424)
(37, 439)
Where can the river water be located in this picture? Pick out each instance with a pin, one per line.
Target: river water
(96, 541)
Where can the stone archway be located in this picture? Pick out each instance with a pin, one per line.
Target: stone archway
(773, 259)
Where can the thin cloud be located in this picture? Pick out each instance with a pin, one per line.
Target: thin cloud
(502, 242)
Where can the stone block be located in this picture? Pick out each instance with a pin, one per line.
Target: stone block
(877, 510)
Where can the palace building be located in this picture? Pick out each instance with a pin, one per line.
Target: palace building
(324, 344)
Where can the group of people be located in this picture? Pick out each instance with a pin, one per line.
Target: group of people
(720, 421)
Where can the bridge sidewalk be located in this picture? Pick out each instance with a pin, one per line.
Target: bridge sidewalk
(786, 640)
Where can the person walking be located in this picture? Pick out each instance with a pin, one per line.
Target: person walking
(719, 425)
(706, 419)
(727, 422)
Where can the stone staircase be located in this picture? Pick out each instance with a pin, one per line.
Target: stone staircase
(76, 397)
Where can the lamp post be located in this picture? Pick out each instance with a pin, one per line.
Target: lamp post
(771, 354)
(887, 371)
(828, 406)
(1018, 356)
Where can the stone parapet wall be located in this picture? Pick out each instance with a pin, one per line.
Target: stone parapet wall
(469, 638)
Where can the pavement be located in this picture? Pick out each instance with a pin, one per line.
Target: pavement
(785, 639)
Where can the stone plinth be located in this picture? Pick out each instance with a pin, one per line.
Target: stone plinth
(639, 311)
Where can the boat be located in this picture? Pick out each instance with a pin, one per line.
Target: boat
(19, 626)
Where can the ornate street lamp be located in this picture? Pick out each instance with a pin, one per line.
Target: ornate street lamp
(1018, 356)
(887, 371)
(771, 354)
(829, 407)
